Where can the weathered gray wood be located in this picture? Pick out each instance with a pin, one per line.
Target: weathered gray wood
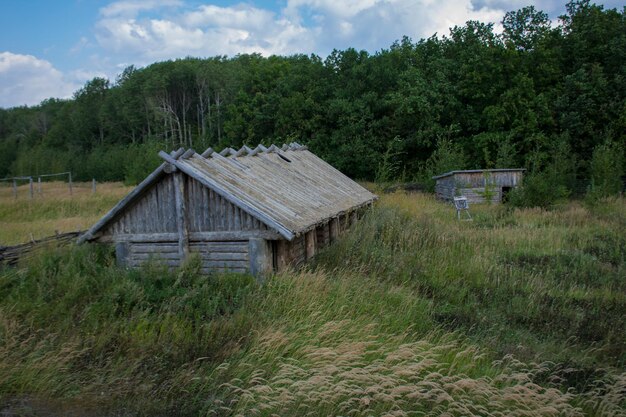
(39, 185)
(121, 253)
(134, 263)
(30, 188)
(188, 154)
(93, 186)
(236, 235)
(226, 264)
(156, 255)
(260, 253)
(181, 216)
(334, 229)
(150, 179)
(219, 190)
(225, 256)
(169, 169)
(152, 248)
(310, 239)
(242, 235)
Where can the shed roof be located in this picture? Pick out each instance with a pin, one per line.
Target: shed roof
(288, 188)
(475, 171)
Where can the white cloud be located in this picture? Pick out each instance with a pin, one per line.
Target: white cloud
(134, 36)
(375, 24)
(27, 80)
(205, 31)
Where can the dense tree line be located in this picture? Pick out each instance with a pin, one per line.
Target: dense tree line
(534, 96)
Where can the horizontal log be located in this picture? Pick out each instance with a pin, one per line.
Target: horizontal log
(242, 235)
(225, 264)
(154, 248)
(134, 263)
(223, 256)
(219, 247)
(156, 256)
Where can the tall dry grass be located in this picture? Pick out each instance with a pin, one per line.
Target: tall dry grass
(55, 210)
(519, 312)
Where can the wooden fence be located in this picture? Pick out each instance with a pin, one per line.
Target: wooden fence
(10, 255)
(35, 183)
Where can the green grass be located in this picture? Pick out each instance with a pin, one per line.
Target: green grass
(411, 313)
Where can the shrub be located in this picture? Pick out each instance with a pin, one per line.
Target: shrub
(607, 169)
(550, 180)
(448, 156)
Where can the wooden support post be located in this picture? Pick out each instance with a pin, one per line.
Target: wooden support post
(282, 255)
(14, 189)
(30, 187)
(260, 252)
(70, 182)
(334, 229)
(353, 218)
(181, 216)
(39, 185)
(310, 243)
(93, 186)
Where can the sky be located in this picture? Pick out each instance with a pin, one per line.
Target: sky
(51, 48)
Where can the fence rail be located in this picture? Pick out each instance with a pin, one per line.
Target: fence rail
(10, 255)
(32, 190)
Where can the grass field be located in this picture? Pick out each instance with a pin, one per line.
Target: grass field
(23, 218)
(519, 312)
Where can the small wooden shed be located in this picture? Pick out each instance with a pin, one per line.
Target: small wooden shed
(248, 210)
(478, 185)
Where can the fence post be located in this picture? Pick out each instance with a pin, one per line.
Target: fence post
(14, 189)
(93, 186)
(70, 183)
(39, 185)
(30, 187)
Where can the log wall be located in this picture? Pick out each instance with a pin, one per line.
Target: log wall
(216, 256)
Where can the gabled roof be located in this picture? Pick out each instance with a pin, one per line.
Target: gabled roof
(475, 171)
(289, 188)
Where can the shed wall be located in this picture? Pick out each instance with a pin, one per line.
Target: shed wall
(217, 256)
(472, 185)
(153, 212)
(218, 230)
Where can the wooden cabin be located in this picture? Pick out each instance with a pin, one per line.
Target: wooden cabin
(248, 210)
(479, 185)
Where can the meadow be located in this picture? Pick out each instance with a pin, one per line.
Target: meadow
(23, 219)
(518, 312)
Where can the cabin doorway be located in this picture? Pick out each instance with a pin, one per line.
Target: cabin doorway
(505, 193)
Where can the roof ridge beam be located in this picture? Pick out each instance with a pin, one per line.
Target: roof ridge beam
(207, 153)
(259, 148)
(188, 154)
(177, 153)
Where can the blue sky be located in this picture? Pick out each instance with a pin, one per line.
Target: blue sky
(50, 48)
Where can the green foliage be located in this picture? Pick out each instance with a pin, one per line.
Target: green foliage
(550, 180)
(389, 166)
(607, 171)
(446, 157)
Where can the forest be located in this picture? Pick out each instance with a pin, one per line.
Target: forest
(546, 96)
